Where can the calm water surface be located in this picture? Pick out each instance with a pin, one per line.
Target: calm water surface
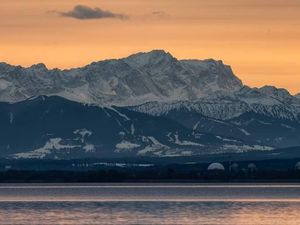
(150, 204)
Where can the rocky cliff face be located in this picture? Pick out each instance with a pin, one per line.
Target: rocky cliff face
(140, 78)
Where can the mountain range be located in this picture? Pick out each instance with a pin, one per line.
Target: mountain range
(148, 104)
(143, 77)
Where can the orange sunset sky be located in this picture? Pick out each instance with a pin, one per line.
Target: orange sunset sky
(260, 39)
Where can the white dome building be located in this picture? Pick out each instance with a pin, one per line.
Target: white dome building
(252, 167)
(216, 167)
(234, 167)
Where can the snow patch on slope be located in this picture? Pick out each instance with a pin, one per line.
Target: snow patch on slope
(89, 148)
(126, 145)
(246, 148)
(50, 146)
(84, 133)
(154, 147)
(4, 84)
(186, 143)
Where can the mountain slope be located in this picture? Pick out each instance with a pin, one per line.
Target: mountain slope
(268, 115)
(143, 77)
(269, 101)
(53, 127)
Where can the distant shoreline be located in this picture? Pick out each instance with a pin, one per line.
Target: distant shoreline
(68, 177)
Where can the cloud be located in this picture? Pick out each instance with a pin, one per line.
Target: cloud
(82, 12)
(160, 14)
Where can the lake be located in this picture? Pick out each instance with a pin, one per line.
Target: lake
(205, 204)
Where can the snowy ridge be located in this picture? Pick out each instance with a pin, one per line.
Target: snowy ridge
(278, 104)
(140, 78)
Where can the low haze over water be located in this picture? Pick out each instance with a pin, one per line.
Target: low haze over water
(150, 204)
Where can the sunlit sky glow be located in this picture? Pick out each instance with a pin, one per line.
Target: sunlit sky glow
(260, 39)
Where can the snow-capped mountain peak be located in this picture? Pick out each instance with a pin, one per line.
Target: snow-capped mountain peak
(267, 95)
(139, 78)
(39, 66)
(275, 92)
(149, 58)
